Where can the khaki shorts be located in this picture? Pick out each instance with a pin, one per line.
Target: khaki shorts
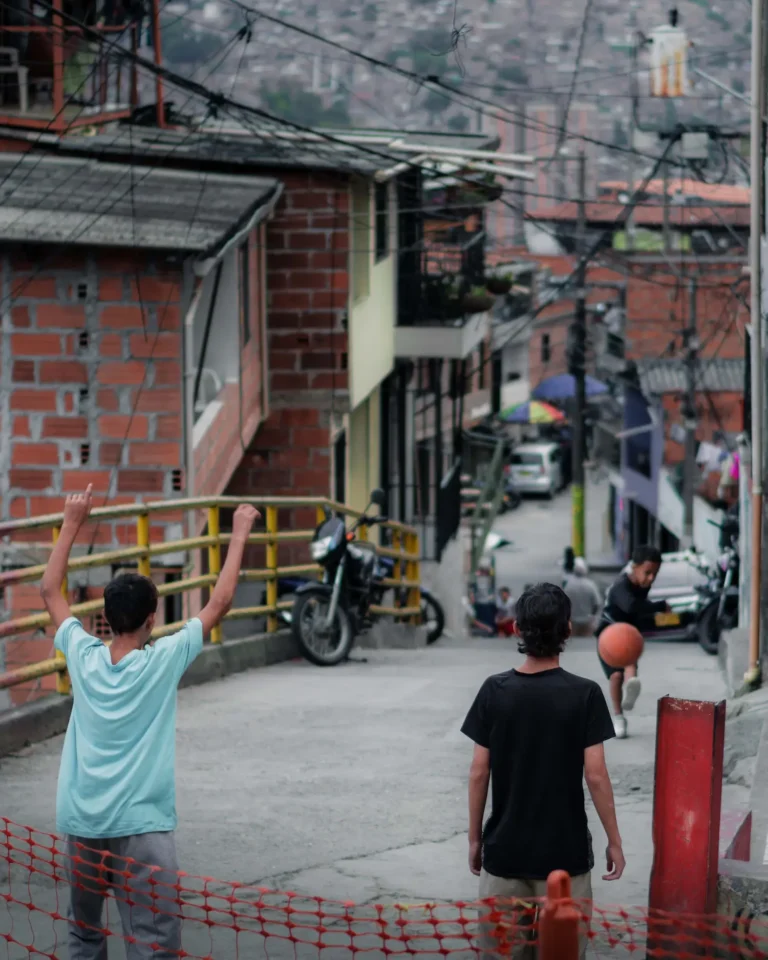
(494, 941)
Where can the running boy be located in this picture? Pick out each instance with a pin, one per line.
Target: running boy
(538, 733)
(116, 798)
(627, 602)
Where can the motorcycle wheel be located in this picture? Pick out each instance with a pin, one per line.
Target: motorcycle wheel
(432, 616)
(321, 645)
(708, 631)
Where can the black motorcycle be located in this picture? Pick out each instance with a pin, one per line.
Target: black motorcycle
(328, 615)
(720, 610)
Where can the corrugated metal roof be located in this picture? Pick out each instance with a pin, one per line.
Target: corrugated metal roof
(718, 375)
(258, 148)
(82, 201)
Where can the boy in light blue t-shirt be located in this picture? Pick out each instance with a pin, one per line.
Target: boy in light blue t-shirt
(116, 798)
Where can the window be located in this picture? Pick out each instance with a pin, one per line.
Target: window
(361, 239)
(382, 221)
(527, 460)
(546, 349)
(245, 290)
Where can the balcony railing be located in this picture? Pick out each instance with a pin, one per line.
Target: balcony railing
(404, 550)
(437, 282)
(57, 75)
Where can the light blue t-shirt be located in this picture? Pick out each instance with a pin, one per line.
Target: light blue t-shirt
(117, 775)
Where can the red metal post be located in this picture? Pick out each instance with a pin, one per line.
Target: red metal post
(559, 921)
(686, 810)
(57, 39)
(157, 41)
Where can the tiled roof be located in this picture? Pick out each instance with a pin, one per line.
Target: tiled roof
(68, 200)
(718, 375)
(685, 186)
(645, 215)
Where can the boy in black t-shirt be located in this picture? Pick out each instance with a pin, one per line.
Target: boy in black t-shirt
(627, 602)
(538, 733)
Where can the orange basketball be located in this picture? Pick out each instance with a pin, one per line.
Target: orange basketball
(620, 645)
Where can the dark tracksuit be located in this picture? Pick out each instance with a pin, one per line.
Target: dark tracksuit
(627, 603)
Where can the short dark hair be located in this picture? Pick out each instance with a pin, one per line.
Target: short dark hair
(646, 553)
(543, 614)
(128, 600)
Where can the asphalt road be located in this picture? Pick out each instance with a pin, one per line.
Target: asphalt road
(350, 783)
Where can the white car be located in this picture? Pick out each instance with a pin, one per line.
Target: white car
(536, 468)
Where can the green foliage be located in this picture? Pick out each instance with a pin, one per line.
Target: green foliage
(190, 47)
(513, 73)
(620, 137)
(291, 102)
(459, 122)
(436, 102)
(738, 85)
(370, 13)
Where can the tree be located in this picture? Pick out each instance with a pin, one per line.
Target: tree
(513, 73)
(291, 102)
(190, 47)
(370, 13)
(436, 103)
(620, 138)
(459, 122)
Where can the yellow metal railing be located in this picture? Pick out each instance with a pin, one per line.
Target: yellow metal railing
(404, 551)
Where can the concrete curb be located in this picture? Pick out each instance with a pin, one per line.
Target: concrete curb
(49, 716)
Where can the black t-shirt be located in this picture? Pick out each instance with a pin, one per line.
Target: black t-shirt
(537, 726)
(628, 603)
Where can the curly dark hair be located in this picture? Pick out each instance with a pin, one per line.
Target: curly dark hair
(543, 614)
(646, 554)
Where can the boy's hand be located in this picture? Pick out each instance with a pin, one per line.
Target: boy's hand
(476, 858)
(77, 508)
(615, 861)
(243, 521)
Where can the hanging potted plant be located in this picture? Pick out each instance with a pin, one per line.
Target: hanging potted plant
(478, 300)
(499, 284)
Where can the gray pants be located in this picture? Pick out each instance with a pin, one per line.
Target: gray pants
(143, 872)
(506, 937)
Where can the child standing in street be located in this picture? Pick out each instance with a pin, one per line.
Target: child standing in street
(627, 602)
(116, 798)
(538, 733)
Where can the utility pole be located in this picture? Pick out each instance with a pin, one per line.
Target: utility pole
(629, 227)
(757, 355)
(691, 345)
(578, 369)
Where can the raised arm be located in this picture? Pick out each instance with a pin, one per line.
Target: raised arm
(76, 510)
(224, 591)
(600, 789)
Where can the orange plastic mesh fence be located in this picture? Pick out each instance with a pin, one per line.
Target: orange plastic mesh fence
(161, 916)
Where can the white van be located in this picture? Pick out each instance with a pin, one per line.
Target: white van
(536, 468)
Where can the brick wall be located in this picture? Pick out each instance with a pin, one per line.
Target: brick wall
(91, 383)
(307, 282)
(90, 378)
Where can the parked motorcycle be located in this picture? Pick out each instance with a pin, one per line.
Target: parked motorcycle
(327, 615)
(720, 594)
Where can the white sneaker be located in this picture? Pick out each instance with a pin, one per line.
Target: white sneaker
(620, 727)
(632, 690)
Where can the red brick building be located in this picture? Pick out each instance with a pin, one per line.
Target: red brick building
(99, 301)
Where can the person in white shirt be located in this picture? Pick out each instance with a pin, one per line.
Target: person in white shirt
(584, 597)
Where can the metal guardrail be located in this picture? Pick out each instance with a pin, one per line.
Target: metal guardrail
(488, 504)
(404, 551)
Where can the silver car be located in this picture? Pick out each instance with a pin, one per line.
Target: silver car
(536, 468)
